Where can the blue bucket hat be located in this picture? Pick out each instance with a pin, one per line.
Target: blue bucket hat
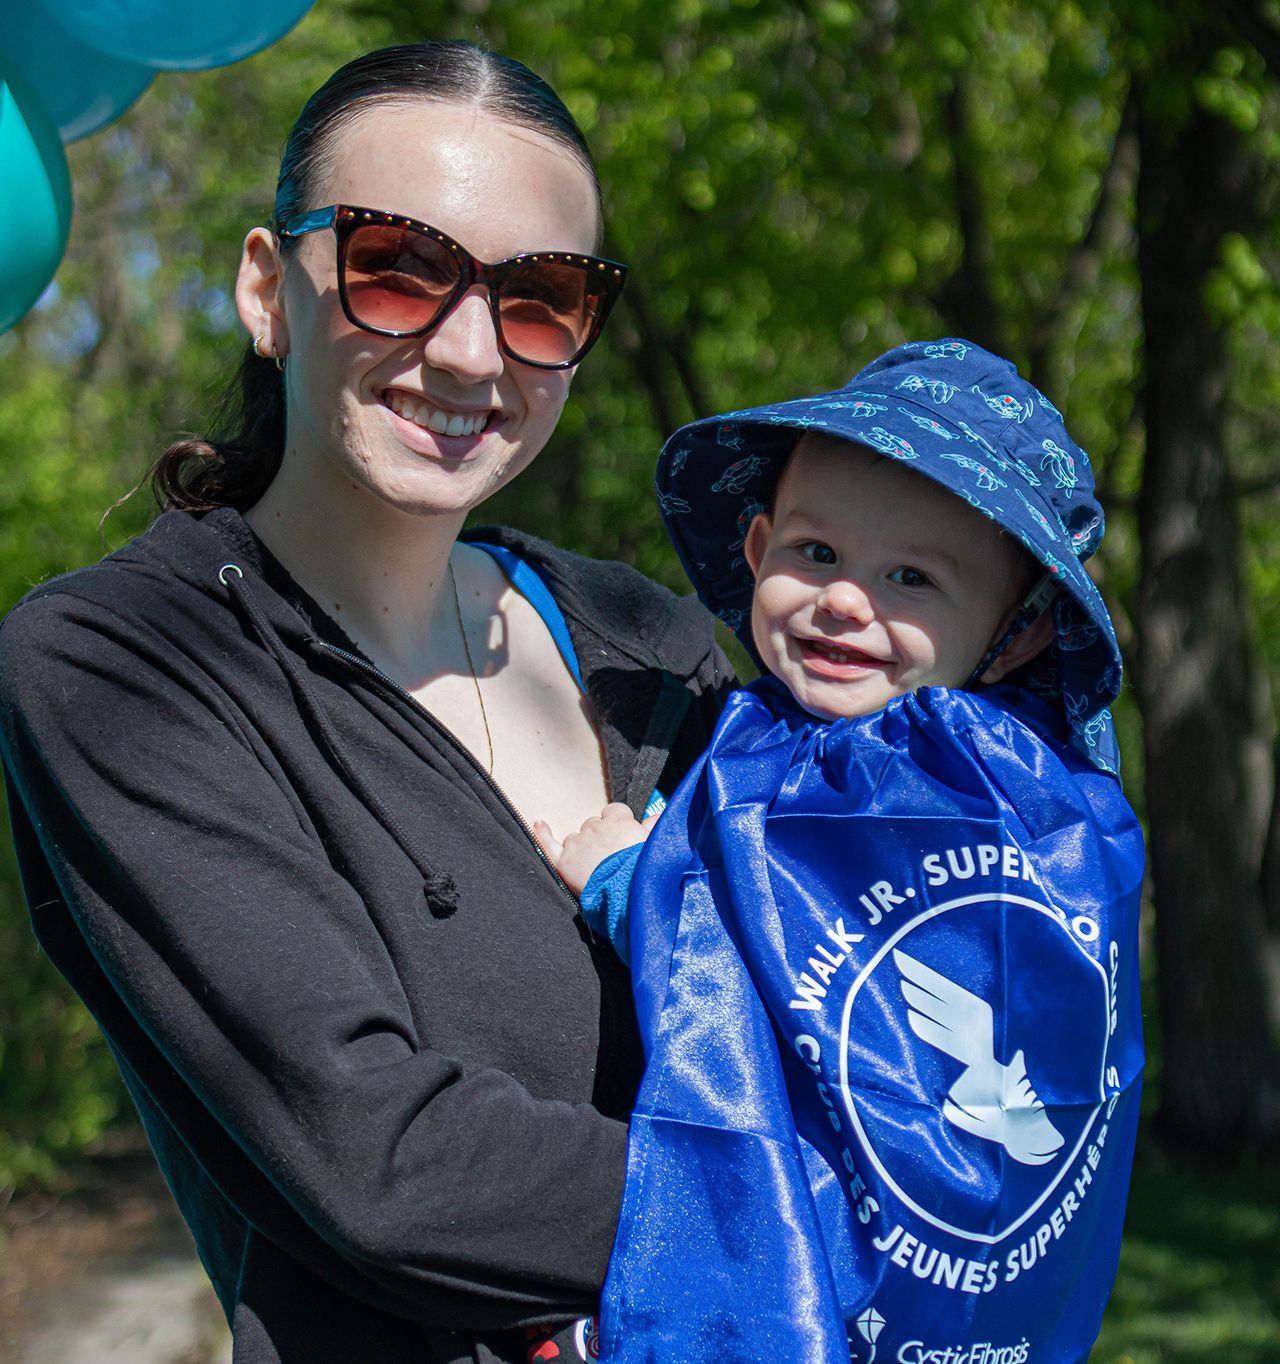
(962, 417)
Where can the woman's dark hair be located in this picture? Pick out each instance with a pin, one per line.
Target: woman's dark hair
(235, 465)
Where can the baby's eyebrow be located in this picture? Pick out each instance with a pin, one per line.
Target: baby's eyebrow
(799, 520)
(933, 552)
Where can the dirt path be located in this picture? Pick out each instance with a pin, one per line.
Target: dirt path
(105, 1273)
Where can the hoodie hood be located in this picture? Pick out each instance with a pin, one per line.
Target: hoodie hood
(962, 417)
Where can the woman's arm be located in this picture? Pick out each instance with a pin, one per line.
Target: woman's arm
(241, 979)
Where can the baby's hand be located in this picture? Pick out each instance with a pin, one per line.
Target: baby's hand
(601, 836)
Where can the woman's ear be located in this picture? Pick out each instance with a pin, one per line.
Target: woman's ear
(757, 541)
(1023, 647)
(259, 294)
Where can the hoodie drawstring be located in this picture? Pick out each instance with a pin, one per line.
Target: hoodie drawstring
(438, 888)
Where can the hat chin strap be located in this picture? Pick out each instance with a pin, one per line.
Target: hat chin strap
(1033, 605)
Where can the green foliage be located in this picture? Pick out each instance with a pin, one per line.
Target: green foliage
(58, 1087)
(806, 161)
(1198, 1279)
(796, 186)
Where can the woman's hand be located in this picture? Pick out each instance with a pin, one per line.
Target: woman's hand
(602, 835)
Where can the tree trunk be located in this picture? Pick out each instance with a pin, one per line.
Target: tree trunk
(1200, 683)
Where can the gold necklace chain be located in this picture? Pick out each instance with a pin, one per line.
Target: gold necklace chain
(475, 679)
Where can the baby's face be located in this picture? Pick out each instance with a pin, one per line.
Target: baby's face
(872, 580)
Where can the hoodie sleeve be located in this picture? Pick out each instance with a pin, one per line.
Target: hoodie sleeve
(252, 1003)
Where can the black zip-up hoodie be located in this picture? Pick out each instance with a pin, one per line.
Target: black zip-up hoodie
(376, 1050)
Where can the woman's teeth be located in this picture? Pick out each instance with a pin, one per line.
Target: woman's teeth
(433, 419)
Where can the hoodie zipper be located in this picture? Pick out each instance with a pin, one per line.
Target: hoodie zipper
(365, 666)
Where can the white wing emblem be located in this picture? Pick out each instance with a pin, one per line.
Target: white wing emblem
(989, 1100)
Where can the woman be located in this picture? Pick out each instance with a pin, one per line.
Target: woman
(274, 762)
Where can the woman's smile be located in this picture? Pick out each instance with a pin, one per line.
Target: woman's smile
(429, 427)
(421, 411)
(428, 424)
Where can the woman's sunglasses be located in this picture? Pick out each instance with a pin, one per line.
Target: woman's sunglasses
(400, 277)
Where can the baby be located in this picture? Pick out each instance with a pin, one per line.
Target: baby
(884, 937)
(870, 582)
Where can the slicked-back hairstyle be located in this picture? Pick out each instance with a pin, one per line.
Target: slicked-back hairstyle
(233, 467)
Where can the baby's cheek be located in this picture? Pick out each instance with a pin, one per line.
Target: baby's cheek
(921, 659)
(767, 632)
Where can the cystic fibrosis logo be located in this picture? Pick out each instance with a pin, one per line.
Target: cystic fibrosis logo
(869, 1323)
(992, 1101)
(975, 1039)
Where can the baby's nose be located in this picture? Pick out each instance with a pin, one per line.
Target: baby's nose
(846, 599)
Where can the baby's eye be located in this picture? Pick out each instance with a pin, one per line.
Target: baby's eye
(910, 577)
(817, 552)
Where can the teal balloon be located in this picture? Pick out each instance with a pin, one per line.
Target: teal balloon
(180, 35)
(82, 88)
(35, 187)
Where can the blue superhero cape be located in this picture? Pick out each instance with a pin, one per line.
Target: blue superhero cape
(886, 971)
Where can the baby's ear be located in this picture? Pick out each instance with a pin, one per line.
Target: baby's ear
(757, 541)
(1023, 647)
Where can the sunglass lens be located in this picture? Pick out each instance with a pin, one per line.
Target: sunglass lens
(548, 310)
(398, 279)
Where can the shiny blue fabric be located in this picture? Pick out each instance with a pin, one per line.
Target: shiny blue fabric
(886, 970)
